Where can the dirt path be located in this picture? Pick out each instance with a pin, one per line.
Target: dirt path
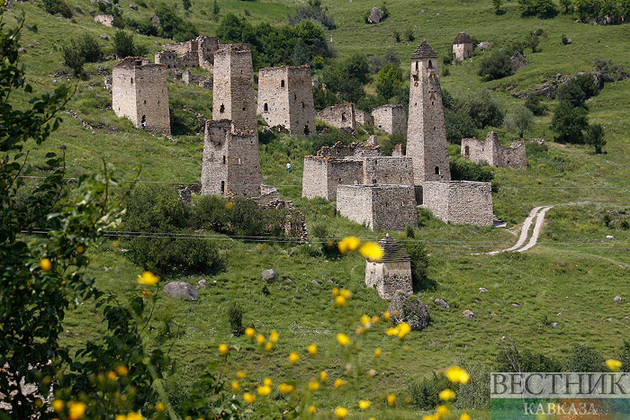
(537, 213)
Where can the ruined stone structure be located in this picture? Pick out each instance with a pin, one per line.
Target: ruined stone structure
(363, 118)
(106, 20)
(387, 207)
(464, 202)
(190, 79)
(198, 52)
(231, 163)
(426, 133)
(356, 164)
(390, 118)
(285, 98)
(234, 90)
(392, 272)
(494, 154)
(462, 46)
(139, 92)
(339, 116)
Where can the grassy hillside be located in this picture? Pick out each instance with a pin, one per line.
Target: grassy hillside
(571, 277)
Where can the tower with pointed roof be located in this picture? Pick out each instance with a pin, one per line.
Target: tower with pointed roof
(462, 46)
(392, 272)
(426, 133)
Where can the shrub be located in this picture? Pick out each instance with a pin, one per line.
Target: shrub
(484, 109)
(314, 13)
(534, 104)
(569, 122)
(545, 9)
(389, 81)
(464, 169)
(123, 44)
(476, 393)
(73, 58)
(610, 72)
(319, 230)
(419, 267)
(58, 7)
(513, 360)
(397, 36)
(328, 139)
(235, 318)
(495, 66)
(459, 125)
(388, 144)
(595, 137)
(425, 394)
(584, 359)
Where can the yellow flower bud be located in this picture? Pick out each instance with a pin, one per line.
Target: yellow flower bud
(323, 377)
(250, 333)
(241, 374)
(148, 278)
(447, 395)
(339, 383)
(260, 339)
(223, 349)
(235, 386)
(391, 400)
(377, 352)
(312, 349)
(312, 409)
(386, 316)
(58, 406)
(364, 404)
(269, 346)
(403, 330)
(273, 337)
(122, 370)
(343, 339)
(457, 375)
(294, 357)
(45, 264)
(160, 407)
(249, 398)
(372, 251)
(341, 412)
(267, 382)
(340, 301)
(613, 365)
(264, 390)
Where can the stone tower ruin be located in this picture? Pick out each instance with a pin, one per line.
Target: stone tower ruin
(426, 133)
(285, 98)
(462, 46)
(139, 92)
(234, 89)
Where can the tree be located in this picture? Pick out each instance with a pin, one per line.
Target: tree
(215, 11)
(419, 267)
(495, 66)
(497, 6)
(482, 107)
(569, 122)
(389, 81)
(595, 137)
(534, 104)
(520, 120)
(567, 5)
(73, 58)
(123, 45)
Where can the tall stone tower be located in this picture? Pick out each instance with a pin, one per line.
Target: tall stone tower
(285, 97)
(139, 92)
(426, 134)
(234, 94)
(231, 163)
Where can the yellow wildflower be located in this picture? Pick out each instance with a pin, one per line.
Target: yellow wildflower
(312, 409)
(386, 316)
(457, 375)
(223, 349)
(122, 370)
(350, 243)
(267, 382)
(261, 339)
(323, 377)
(391, 400)
(312, 349)
(339, 383)
(241, 374)
(235, 386)
(313, 386)
(58, 405)
(134, 416)
(80, 249)
(120, 417)
(249, 398)
(264, 390)
(273, 337)
(392, 331)
(372, 251)
(160, 407)
(77, 410)
(447, 395)
(269, 346)
(365, 320)
(403, 330)
(111, 375)
(465, 416)
(341, 412)
(375, 319)
(229, 205)
(408, 400)
(345, 293)
(442, 410)
(364, 404)
(250, 333)
(148, 278)
(294, 357)
(613, 365)
(360, 330)
(340, 301)
(343, 339)
(286, 388)
(335, 292)
(377, 352)
(45, 264)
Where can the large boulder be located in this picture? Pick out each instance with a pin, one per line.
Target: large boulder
(375, 15)
(269, 276)
(181, 290)
(410, 309)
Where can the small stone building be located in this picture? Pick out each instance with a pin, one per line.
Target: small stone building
(392, 272)
(285, 98)
(462, 46)
(356, 164)
(198, 52)
(234, 96)
(363, 118)
(390, 118)
(139, 92)
(464, 202)
(339, 116)
(494, 154)
(379, 206)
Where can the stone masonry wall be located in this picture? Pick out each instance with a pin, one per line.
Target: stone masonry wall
(389, 277)
(354, 150)
(363, 118)
(462, 51)
(198, 52)
(234, 90)
(388, 170)
(463, 202)
(285, 98)
(390, 118)
(355, 203)
(338, 116)
(494, 154)
(140, 93)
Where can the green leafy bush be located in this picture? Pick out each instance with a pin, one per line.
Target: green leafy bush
(235, 318)
(584, 359)
(495, 66)
(58, 7)
(425, 394)
(464, 169)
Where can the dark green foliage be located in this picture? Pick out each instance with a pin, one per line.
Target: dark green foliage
(497, 6)
(173, 26)
(534, 103)
(124, 45)
(544, 9)
(567, 5)
(319, 231)
(614, 12)
(348, 77)
(235, 318)
(388, 144)
(475, 394)
(425, 394)
(564, 40)
(90, 49)
(595, 137)
(610, 72)
(464, 169)
(420, 280)
(572, 94)
(328, 139)
(314, 13)
(58, 7)
(410, 232)
(215, 11)
(569, 122)
(584, 359)
(73, 58)
(624, 225)
(532, 42)
(397, 36)
(410, 35)
(484, 109)
(514, 360)
(495, 66)
(389, 81)
(186, 4)
(623, 354)
(459, 125)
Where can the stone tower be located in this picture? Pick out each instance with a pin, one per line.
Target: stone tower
(462, 46)
(285, 98)
(426, 134)
(139, 93)
(234, 93)
(231, 163)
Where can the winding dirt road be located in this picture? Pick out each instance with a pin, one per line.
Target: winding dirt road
(537, 213)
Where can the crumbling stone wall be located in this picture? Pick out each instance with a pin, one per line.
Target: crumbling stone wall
(107, 20)
(386, 207)
(491, 152)
(198, 52)
(363, 118)
(390, 118)
(234, 90)
(426, 132)
(339, 116)
(387, 170)
(140, 93)
(205, 82)
(355, 150)
(392, 272)
(465, 202)
(321, 176)
(231, 163)
(462, 46)
(285, 98)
